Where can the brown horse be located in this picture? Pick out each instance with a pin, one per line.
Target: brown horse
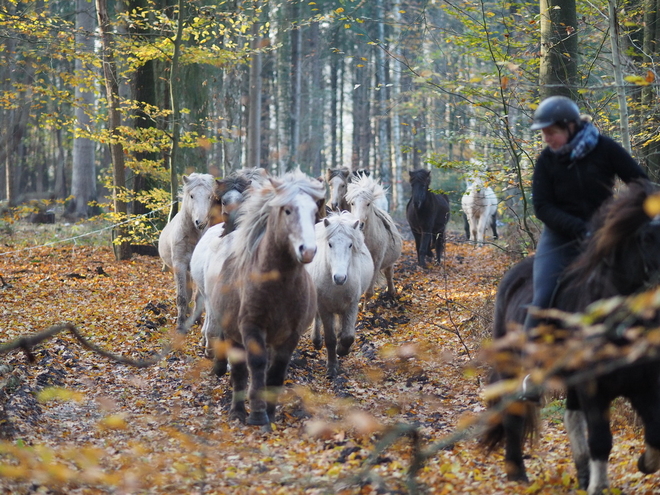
(619, 259)
(260, 297)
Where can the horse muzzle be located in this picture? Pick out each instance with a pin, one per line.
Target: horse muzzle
(339, 279)
(306, 254)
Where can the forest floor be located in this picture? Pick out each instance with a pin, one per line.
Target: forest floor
(78, 423)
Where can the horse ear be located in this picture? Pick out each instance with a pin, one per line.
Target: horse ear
(185, 179)
(357, 224)
(274, 182)
(326, 222)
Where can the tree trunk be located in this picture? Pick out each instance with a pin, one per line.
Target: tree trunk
(296, 82)
(651, 149)
(383, 149)
(398, 203)
(122, 248)
(254, 105)
(83, 176)
(618, 76)
(559, 49)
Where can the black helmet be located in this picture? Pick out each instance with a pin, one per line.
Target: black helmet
(555, 110)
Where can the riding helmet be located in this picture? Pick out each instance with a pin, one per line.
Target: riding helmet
(555, 110)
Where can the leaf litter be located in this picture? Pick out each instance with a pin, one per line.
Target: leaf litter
(75, 422)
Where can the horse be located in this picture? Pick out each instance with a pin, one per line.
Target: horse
(381, 201)
(180, 236)
(337, 179)
(619, 259)
(260, 298)
(380, 233)
(230, 193)
(427, 214)
(342, 270)
(479, 205)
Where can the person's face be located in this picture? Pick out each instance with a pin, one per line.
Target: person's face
(555, 137)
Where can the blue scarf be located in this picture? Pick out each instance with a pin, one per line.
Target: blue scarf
(581, 145)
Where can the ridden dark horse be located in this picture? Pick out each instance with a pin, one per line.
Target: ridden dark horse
(259, 295)
(620, 258)
(427, 214)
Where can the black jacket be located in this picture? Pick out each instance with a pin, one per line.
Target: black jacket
(566, 193)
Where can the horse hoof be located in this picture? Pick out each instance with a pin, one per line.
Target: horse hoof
(258, 418)
(344, 347)
(331, 374)
(220, 367)
(317, 344)
(237, 415)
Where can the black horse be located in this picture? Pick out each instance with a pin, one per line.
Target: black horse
(620, 258)
(427, 214)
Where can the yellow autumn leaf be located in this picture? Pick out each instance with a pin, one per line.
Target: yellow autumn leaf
(113, 422)
(652, 205)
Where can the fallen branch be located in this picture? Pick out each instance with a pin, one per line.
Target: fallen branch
(27, 343)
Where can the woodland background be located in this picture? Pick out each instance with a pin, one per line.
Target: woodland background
(106, 103)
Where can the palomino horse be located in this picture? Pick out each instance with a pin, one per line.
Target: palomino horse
(342, 270)
(179, 237)
(259, 295)
(480, 208)
(620, 258)
(380, 233)
(427, 214)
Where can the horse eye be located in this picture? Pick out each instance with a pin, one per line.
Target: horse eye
(287, 211)
(330, 245)
(350, 246)
(191, 196)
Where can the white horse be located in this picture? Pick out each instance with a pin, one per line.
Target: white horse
(480, 207)
(180, 236)
(342, 271)
(381, 201)
(380, 233)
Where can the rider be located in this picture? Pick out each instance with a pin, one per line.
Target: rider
(573, 176)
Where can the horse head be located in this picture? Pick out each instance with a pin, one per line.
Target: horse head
(295, 207)
(362, 194)
(198, 197)
(337, 180)
(230, 193)
(420, 181)
(343, 238)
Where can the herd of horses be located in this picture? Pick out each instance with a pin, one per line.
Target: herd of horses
(269, 257)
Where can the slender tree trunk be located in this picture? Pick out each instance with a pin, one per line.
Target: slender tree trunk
(296, 82)
(83, 177)
(254, 105)
(651, 149)
(317, 103)
(174, 84)
(122, 248)
(618, 76)
(383, 149)
(398, 202)
(334, 88)
(559, 48)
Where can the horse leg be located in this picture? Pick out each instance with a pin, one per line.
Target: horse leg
(389, 275)
(440, 245)
(514, 431)
(576, 427)
(647, 406)
(181, 280)
(596, 410)
(257, 358)
(330, 343)
(317, 340)
(493, 225)
(424, 249)
(418, 243)
(277, 368)
(239, 380)
(466, 226)
(347, 330)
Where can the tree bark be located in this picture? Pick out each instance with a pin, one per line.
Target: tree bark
(559, 48)
(254, 113)
(296, 82)
(83, 176)
(122, 248)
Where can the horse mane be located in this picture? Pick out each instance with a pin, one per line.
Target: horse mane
(194, 180)
(238, 182)
(337, 172)
(345, 222)
(615, 226)
(419, 175)
(253, 216)
(364, 185)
